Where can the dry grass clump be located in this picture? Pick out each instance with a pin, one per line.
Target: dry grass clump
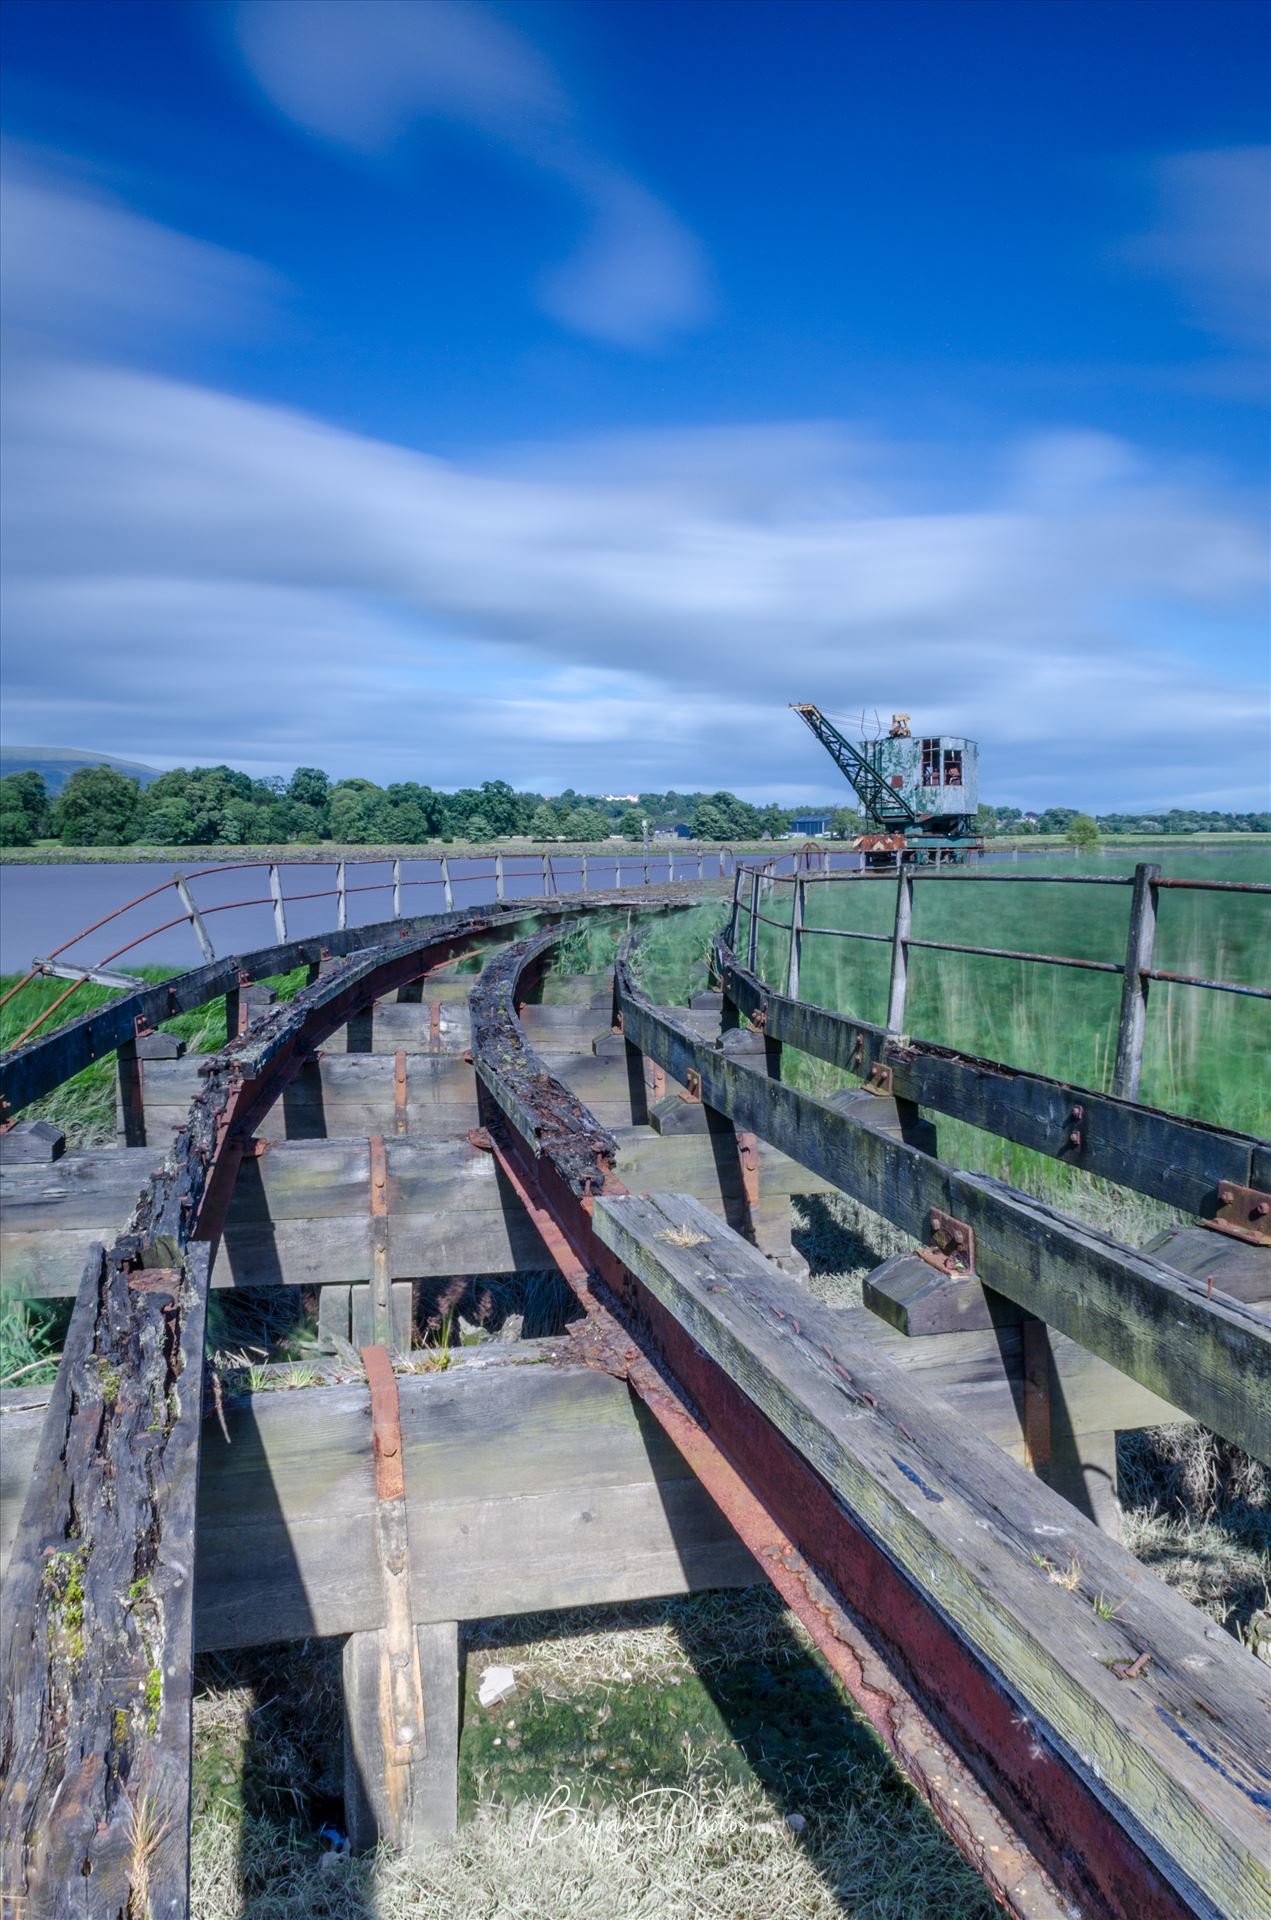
(673, 1854)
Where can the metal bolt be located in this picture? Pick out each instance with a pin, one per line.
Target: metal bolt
(1074, 1138)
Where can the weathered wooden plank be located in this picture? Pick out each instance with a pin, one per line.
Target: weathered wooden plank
(1180, 1750)
(98, 1606)
(1210, 1357)
(405, 1804)
(531, 1486)
(1165, 1155)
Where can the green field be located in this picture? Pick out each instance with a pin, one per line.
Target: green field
(1206, 1053)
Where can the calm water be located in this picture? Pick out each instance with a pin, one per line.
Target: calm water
(43, 906)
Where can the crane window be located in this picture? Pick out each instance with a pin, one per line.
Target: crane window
(953, 767)
(931, 763)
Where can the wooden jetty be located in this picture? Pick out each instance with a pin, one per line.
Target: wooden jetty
(910, 1474)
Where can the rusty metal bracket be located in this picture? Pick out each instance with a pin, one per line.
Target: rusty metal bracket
(692, 1087)
(401, 1687)
(951, 1246)
(748, 1161)
(880, 1079)
(858, 1053)
(479, 1137)
(1244, 1213)
(1076, 1128)
(399, 1091)
(654, 1080)
(381, 1288)
(434, 1024)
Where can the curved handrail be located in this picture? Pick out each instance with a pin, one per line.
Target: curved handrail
(483, 869)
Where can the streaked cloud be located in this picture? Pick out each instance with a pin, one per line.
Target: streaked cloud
(1211, 238)
(369, 76)
(193, 575)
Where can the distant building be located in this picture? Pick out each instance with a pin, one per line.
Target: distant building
(632, 798)
(806, 826)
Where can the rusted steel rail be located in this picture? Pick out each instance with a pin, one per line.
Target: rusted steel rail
(95, 1735)
(854, 1494)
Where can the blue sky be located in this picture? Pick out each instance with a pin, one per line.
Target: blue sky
(439, 391)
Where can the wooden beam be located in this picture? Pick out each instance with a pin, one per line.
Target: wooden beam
(98, 1606)
(531, 1486)
(1179, 1751)
(1166, 1155)
(1211, 1358)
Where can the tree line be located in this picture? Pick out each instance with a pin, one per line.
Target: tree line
(218, 806)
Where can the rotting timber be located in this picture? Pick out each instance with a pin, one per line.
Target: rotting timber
(1067, 1766)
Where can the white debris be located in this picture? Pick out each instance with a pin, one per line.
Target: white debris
(497, 1683)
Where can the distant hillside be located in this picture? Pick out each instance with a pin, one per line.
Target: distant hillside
(57, 764)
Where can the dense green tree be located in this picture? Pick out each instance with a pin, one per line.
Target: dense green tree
(586, 823)
(26, 790)
(631, 824)
(1082, 832)
(309, 787)
(15, 822)
(98, 807)
(479, 828)
(544, 823)
(846, 823)
(357, 812)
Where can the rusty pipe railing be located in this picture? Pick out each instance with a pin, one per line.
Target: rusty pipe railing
(1135, 970)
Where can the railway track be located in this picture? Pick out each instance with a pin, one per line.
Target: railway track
(897, 1471)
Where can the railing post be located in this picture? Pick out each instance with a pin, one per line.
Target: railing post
(796, 941)
(196, 918)
(752, 935)
(670, 865)
(699, 866)
(584, 870)
(446, 886)
(280, 911)
(1138, 957)
(736, 914)
(498, 876)
(397, 889)
(341, 898)
(900, 951)
(547, 872)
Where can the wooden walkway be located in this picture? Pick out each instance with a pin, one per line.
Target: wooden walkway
(910, 1473)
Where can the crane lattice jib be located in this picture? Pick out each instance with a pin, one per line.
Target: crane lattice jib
(880, 801)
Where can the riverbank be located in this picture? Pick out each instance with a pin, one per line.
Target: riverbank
(52, 853)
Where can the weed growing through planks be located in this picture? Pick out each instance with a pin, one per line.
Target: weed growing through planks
(1105, 1609)
(684, 1236)
(1068, 1577)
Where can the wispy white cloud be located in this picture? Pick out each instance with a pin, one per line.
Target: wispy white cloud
(1211, 239)
(192, 575)
(370, 75)
(79, 269)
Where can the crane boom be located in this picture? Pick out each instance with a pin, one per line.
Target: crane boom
(880, 801)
